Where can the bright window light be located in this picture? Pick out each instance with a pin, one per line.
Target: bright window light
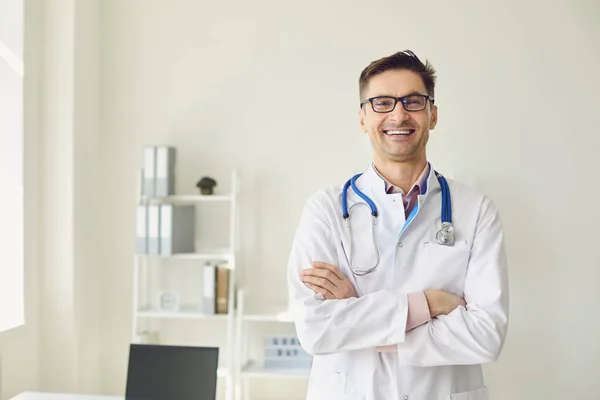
(11, 164)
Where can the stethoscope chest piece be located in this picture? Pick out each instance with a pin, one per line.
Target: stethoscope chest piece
(445, 236)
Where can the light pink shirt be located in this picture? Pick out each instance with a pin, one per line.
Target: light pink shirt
(418, 309)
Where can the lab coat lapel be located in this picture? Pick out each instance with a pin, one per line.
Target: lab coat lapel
(389, 222)
(390, 206)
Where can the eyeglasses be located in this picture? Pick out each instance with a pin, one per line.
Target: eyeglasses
(386, 104)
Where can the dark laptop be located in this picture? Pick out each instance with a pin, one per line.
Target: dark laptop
(160, 372)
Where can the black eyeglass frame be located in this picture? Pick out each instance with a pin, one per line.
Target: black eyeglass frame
(399, 99)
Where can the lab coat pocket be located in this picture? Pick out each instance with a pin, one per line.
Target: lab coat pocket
(338, 383)
(443, 267)
(327, 386)
(479, 394)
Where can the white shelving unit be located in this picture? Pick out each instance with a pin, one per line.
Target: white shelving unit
(256, 369)
(189, 198)
(247, 368)
(186, 312)
(142, 312)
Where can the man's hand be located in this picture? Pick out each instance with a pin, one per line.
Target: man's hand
(327, 280)
(442, 303)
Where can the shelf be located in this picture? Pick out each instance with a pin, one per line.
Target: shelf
(257, 370)
(208, 255)
(185, 312)
(281, 317)
(217, 254)
(275, 314)
(188, 198)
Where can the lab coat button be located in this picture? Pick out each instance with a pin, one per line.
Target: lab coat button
(400, 244)
(406, 397)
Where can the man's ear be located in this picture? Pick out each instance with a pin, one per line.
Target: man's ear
(433, 118)
(361, 119)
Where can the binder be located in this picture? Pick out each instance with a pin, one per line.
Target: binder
(140, 183)
(222, 289)
(177, 229)
(165, 171)
(141, 246)
(209, 277)
(154, 229)
(149, 180)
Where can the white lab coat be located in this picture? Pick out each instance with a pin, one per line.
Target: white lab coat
(438, 360)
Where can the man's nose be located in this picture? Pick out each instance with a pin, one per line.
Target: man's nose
(399, 114)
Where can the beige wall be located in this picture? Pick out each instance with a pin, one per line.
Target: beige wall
(269, 87)
(19, 347)
(58, 348)
(69, 341)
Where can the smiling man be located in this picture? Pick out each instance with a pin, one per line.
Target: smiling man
(393, 300)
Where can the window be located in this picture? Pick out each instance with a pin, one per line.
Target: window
(11, 164)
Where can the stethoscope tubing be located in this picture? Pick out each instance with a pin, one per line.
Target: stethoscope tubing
(446, 217)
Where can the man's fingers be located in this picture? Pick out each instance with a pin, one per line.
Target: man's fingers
(317, 289)
(321, 266)
(318, 281)
(322, 274)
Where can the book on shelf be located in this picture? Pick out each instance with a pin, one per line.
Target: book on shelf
(222, 289)
(215, 288)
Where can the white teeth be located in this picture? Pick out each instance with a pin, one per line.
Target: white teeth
(405, 132)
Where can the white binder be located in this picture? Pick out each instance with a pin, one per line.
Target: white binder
(154, 229)
(209, 289)
(141, 238)
(149, 180)
(177, 229)
(165, 171)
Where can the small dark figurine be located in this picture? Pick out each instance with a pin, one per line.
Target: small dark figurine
(206, 185)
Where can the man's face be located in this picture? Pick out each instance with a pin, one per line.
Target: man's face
(399, 135)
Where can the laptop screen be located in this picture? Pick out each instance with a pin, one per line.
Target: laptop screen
(158, 372)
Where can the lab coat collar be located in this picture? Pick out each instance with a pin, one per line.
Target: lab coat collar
(373, 181)
(375, 185)
(377, 182)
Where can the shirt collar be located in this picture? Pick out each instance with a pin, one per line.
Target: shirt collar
(420, 184)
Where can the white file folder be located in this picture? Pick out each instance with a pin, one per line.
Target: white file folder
(141, 246)
(149, 181)
(154, 229)
(177, 229)
(209, 288)
(165, 171)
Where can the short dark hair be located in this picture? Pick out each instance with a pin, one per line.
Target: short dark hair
(401, 60)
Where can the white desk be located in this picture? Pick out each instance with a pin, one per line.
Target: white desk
(62, 396)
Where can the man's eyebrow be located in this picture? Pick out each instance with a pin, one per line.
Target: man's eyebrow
(410, 94)
(415, 92)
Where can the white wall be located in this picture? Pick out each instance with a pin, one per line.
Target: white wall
(516, 119)
(270, 87)
(69, 343)
(57, 349)
(87, 264)
(19, 347)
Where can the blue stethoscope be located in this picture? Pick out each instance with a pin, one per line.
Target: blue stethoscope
(445, 236)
